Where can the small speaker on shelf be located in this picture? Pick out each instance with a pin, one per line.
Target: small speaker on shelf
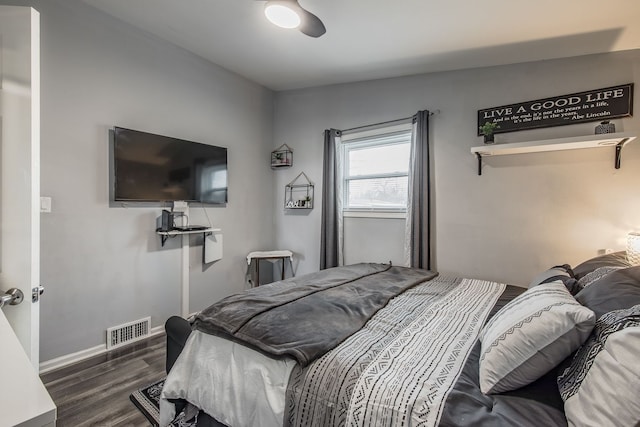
(167, 221)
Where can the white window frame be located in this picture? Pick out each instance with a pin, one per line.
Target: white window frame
(371, 138)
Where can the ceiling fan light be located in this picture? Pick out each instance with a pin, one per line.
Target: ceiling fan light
(282, 16)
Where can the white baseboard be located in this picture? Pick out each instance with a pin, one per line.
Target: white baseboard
(62, 361)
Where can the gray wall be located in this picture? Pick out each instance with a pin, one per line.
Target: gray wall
(104, 266)
(527, 212)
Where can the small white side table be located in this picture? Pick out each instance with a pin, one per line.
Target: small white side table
(270, 255)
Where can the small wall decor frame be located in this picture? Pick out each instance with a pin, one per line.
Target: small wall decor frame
(282, 157)
(298, 194)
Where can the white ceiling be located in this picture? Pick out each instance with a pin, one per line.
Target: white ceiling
(372, 39)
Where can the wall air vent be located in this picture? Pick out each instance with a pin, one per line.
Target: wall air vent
(126, 333)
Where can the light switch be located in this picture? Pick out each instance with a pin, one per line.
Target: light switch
(45, 204)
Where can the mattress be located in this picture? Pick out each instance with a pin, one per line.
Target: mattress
(233, 383)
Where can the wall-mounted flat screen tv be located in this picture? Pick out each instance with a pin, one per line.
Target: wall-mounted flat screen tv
(155, 168)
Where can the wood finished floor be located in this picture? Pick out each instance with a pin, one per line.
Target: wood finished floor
(95, 392)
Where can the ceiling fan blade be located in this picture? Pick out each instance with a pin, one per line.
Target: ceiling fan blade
(311, 25)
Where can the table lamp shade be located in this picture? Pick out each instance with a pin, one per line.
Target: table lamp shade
(633, 248)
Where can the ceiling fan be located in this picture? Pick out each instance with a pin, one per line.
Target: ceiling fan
(289, 14)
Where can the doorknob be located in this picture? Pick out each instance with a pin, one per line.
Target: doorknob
(13, 296)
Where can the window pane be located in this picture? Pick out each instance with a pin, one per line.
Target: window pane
(379, 159)
(389, 193)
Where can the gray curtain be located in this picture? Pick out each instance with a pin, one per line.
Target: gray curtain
(330, 228)
(419, 209)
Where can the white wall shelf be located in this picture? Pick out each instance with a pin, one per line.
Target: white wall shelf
(164, 235)
(618, 140)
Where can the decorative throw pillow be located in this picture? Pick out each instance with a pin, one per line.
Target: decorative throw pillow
(617, 290)
(531, 335)
(616, 259)
(595, 275)
(602, 383)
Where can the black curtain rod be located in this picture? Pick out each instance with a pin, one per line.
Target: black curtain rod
(431, 113)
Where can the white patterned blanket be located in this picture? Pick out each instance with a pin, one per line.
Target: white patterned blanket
(400, 367)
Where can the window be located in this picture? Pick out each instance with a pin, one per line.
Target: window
(376, 171)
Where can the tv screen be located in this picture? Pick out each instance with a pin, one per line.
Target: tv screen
(155, 168)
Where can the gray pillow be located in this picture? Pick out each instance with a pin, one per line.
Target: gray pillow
(562, 273)
(531, 335)
(617, 290)
(550, 275)
(595, 275)
(615, 259)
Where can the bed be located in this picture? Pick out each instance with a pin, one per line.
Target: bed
(376, 344)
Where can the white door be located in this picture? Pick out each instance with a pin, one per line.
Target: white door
(25, 401)
(20, 169)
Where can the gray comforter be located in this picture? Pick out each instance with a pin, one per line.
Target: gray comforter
(306, 318)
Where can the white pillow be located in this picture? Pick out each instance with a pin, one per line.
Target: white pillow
(602, 383)
(531, 335)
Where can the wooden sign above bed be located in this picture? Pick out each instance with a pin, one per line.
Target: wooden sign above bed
(594, 105)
